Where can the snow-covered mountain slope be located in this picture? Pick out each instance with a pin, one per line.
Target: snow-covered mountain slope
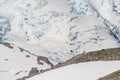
(55, 30)
(80, 71)
(64, 28)
(16, 62)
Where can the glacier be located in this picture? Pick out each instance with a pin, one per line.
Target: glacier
(5, 27)
(57, 30)
(74, 24)
(47, 27)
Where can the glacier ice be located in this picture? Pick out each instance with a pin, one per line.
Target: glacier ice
(4, 27)
(82, 7)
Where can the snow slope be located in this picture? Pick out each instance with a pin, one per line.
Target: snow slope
(57, 30)
(62, 28)
(15, 63)
(81, 71)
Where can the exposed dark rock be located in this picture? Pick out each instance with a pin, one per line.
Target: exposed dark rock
(7, 45)
(18, 72)
(33, 71)
(113, 76)
(45, 59)
(6, 59)
(27, 56)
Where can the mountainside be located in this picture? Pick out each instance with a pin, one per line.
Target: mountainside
(17, 62)
(80, 71)
(112, 54)
(106, 55)
(76, 25)
(36, 35)
(113, 76)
